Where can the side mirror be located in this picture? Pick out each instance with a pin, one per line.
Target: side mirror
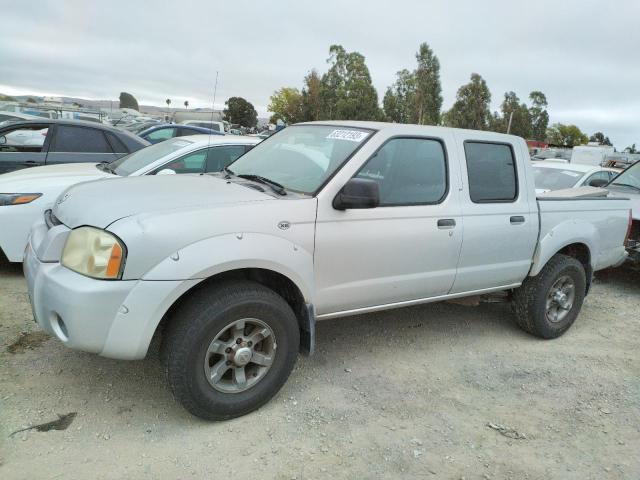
(166, 171)
(3, 140)
(598, 182)
(357, 193)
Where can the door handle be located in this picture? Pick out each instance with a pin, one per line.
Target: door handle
(29, 163)
(517, 219)
(446, 223)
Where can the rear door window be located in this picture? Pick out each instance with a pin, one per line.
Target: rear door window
(162, 134)
(491, 169)
(71, 139)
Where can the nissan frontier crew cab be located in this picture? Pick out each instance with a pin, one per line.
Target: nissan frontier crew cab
(321, 220)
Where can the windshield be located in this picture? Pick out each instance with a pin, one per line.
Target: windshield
(629, 178)
(301, 157)
(135, 161)
(555, 178)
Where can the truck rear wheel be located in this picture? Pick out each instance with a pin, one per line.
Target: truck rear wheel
(229, 349)
(547, 305)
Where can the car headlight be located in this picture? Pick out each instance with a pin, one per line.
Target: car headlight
(94, 253)
(18, 198)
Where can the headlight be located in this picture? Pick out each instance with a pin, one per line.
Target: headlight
(94, 253)
(18, 198)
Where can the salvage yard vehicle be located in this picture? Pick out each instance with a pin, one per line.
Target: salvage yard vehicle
(26, 194)
(627, 184)
(160, 133)
(49, 141)
(321, 220)
(552, 175)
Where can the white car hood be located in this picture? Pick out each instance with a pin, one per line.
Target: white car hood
(30, 180)
(102, 202)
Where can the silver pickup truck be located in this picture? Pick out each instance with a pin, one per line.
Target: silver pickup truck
(320, 221)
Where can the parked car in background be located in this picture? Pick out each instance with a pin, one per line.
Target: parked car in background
(32, 191)
(32, 143)
(160, 133)
(16, 116)
(320, 221)
(627, 184)
(212, 125)
(558, 175)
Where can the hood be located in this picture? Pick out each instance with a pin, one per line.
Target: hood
(29, 179)
(102, 202)
(631, 194)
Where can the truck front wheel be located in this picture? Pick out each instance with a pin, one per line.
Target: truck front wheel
(547, 305)
(229, 348)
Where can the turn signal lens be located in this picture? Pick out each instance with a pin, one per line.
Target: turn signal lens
(94, 253)
(18, 198)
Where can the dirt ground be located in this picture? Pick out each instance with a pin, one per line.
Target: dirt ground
(436, 391)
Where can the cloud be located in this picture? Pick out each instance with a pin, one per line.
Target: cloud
(581, 54)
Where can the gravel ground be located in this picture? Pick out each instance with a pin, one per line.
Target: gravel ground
(436, 391)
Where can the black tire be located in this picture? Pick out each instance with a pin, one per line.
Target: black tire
(529, 301)
(195, 323)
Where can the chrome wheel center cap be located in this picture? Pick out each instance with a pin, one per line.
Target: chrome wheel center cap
(242, 356)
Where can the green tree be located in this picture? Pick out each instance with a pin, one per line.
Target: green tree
(286, 105)
(538, 115)
(186, 104)
(311, 97)
(347, 92)
(168, 102)
(399, 100)
(6, 98)
(128, 101)
(565, 135)
(428, 91)
(240, 111)
(520, 121)
(471, 108)
(31, 100)
(601, 139)
(631, 149)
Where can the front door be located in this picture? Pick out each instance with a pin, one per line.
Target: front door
(23, 146)
(405, 249)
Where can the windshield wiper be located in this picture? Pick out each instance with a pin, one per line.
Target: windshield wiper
(228, 172)
(626, 185)
(275, 186)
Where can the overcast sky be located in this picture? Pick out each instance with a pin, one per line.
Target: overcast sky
(582, 54)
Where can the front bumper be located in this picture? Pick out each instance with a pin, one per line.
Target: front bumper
(115, 319)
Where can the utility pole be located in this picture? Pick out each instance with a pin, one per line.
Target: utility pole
(509, 127)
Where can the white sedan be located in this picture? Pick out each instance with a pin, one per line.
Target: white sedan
(26, 194)
(552, 175)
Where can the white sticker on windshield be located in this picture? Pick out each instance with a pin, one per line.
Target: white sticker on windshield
(351, 135)
(571, 174)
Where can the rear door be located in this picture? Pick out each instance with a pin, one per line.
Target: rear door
(73, 144)
(500, 227)
(23, 146)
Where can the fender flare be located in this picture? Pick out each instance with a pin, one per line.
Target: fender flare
(562, 235)
(214, 255)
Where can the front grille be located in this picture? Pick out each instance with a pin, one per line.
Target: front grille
(50, 219)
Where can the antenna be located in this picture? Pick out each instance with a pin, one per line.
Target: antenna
(213, 109)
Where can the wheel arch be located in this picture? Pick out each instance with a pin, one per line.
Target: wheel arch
(280, 283)
(579, 250)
